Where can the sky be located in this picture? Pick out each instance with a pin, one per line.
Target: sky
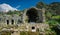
(23, 4)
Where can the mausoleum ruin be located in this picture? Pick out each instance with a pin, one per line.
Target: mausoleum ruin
(31, 20)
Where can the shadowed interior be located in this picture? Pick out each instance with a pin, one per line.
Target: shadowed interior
(33, 27)
(7, 21)
(32, 15)
(12, 21)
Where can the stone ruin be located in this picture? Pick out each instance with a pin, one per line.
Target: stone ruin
(31, 20)
(34, 15)
(31, 15)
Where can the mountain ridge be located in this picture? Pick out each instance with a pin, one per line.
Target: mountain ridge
(6, 8)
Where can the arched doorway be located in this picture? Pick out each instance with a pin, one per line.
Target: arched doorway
(7, 22)
(32, 15)
(12, 21)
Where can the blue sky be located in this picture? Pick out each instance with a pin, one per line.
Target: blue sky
(23, 4)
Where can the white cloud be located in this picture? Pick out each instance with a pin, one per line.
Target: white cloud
(5, 8)
(18, 6)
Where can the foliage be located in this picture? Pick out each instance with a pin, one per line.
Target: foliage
(52, 14)
(13, 12)
(5, 33)
(40, 5)
(28, 33)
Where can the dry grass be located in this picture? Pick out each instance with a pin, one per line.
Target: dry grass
(29, 33)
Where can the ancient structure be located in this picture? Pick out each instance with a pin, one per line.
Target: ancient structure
(34, 18)
(10, 20)
(34, 15)
(31, 20)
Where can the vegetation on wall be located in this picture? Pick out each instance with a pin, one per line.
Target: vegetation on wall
(52, 14)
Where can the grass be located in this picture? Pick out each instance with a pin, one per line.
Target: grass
(5, 33)
(29, 33)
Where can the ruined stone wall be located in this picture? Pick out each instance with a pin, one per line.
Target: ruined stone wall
(34, 15)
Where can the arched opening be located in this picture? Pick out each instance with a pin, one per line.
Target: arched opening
(32, 15)
(12, 21)
(33, 27)
(7, 22)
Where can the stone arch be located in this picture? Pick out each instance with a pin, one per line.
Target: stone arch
(33, 27)
(7, 22)
(34, 15)
(12, 21)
